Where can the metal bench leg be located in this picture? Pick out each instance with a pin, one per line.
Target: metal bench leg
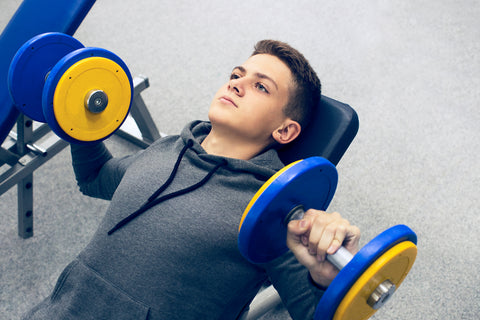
(25, 185)
(23, 156)
(264, 301)
(139, 127)
(25, 207)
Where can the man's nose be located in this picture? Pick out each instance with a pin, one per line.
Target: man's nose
(236, 86)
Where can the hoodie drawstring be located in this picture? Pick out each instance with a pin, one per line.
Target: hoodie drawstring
(153, 200)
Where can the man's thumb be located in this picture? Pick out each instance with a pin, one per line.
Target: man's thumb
(298, 227)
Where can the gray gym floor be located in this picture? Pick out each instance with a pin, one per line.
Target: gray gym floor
(411, 69)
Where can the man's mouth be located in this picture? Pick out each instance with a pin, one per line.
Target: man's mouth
(227, 100)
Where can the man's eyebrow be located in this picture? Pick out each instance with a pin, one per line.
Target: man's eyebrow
(240, 68)
(257, 74)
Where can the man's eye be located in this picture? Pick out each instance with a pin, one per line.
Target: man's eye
(261, 87)
(234, 76)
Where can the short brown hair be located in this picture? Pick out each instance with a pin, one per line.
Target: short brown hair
(307, 90)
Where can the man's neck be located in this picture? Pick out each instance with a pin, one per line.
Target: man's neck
(230, 146)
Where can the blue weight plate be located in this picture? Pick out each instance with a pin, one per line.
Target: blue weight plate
(30, 66)
(346, 278)
(57, 72)
(310, 182)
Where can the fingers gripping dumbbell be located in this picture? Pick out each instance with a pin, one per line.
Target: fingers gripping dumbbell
(366, 280)
(84, 94)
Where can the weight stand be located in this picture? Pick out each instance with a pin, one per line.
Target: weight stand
(30, 146)
(139, 127)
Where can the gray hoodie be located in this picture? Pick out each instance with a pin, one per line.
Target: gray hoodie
(167, 246)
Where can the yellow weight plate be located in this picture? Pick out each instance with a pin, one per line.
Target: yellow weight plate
(82, 78)
(393, 265)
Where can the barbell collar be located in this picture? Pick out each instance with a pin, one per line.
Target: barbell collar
(297, 213)
(96, 101)
(381, 294)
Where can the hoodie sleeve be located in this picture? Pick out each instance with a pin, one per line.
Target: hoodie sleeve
(292, 281)
(98, 174)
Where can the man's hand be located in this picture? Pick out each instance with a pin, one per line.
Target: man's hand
(318, 234)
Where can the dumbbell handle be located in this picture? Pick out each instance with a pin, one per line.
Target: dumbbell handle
(340, 258)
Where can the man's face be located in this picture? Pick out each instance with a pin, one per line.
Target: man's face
(251, 103)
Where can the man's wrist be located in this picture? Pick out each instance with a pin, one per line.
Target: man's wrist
(317, 283)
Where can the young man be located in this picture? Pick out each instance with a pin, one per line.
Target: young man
(167, 246)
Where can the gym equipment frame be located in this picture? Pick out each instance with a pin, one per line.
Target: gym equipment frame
(31, 146)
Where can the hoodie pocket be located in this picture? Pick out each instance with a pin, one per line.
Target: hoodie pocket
(81, 293)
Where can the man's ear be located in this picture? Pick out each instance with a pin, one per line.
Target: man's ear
(287, 132)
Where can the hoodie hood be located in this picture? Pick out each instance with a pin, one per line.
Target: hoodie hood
(263, 165)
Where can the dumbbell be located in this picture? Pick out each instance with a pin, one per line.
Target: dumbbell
(366, 280)
(83, 93)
